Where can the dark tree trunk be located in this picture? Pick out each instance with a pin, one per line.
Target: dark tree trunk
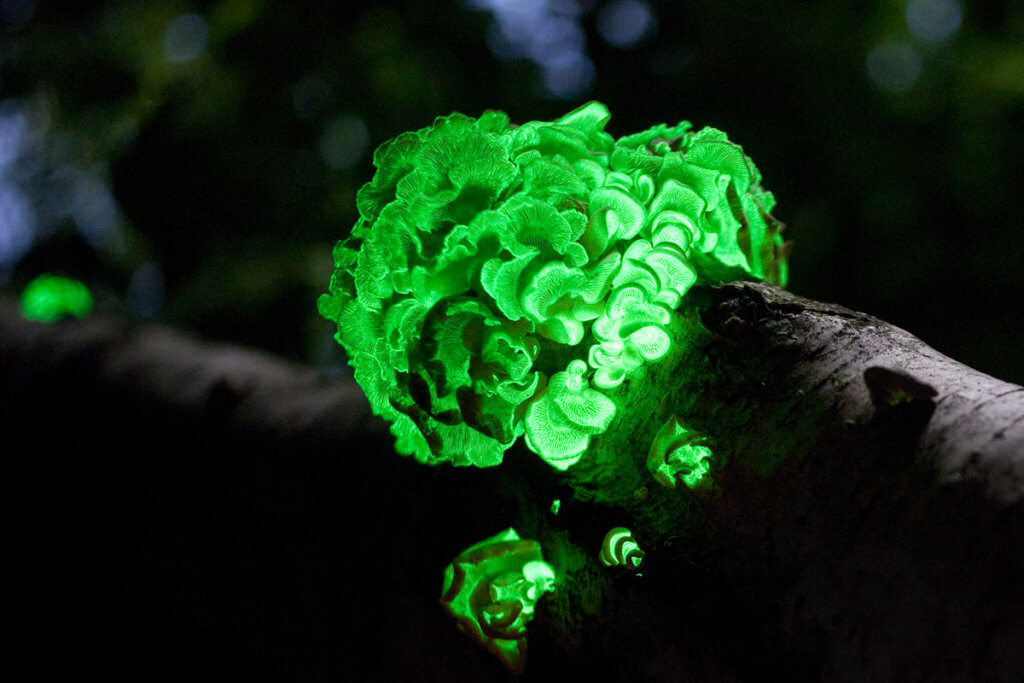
(178, 503)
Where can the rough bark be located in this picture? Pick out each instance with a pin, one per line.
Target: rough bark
(181, 500)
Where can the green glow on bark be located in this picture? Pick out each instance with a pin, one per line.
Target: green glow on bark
(556, 505)
(491, 590)
(504, 281)
(619, 548)
(50, 297)
(678, 454)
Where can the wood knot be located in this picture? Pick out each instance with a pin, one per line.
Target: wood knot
(900, 401)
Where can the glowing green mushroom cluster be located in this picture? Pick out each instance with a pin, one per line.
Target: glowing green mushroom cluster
(503, 281)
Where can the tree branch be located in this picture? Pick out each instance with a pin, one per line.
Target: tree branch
(867, 522)
(977, 428)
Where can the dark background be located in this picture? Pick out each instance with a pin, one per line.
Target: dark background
(193, 163)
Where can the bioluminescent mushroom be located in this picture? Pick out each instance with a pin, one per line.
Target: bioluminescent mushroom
(504, 281)
(491, 590)
(678, 453)
(52, 297)
(619, 548)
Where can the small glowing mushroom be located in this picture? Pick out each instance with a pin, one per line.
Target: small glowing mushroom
(491, 590)
(50, 297)
(619, 548)
(678, 454)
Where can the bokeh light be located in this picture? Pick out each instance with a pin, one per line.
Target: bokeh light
(344, 141)
(90, 206)
(185, 38)
(17, 218)
(146, 291)
(933, 20)
(17, 222)
(894, 66)
(548, 33)
(624, 23)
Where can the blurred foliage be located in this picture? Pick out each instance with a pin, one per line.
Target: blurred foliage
(194, 162)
